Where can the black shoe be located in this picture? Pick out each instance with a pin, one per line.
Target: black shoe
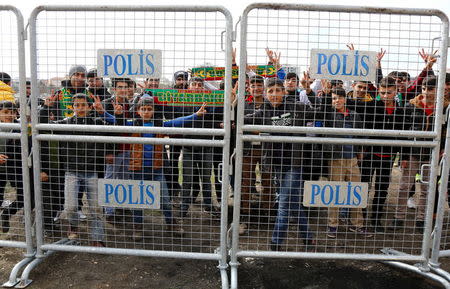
(215, 213)
(275, 247)
(397, 224)
(377, 226)
(420, 225)
(5, 223)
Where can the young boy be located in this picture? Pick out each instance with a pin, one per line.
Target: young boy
(344, 160)
(146, 160)
(10, 164)
(422, 110)
(387, 115)
(81, 160)
(285, 158)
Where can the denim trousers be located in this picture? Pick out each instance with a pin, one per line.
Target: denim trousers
(73, 182)
(157, 176)
(290, 204)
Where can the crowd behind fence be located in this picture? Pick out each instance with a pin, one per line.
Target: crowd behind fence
(322, 167)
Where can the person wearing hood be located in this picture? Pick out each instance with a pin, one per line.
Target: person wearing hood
(76, 83)
(96, 85)
(6, 91)
(61, 108)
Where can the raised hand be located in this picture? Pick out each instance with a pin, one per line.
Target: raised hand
(306, 80)
(98, 106)
(50, 100)
(380, 56)
(233, 56)
(3, 159)
(326, 86)
(202, 111)
(118, 108)
(429, 59)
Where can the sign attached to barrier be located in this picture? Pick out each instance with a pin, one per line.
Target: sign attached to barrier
(346, 65)
(129, 193)
(129, 63)
(186, 97)
(335, 194)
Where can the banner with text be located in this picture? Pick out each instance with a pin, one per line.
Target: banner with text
(186, 97)
(218, 73)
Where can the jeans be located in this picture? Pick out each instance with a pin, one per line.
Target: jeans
(73, 181)
(157, 176)
(290, 202)
(191, 158)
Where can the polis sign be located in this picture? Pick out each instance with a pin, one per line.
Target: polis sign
(129, 63)
(346, 65)
(129, 193)
(335, 194)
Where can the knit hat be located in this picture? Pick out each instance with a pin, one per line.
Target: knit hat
(182, 74)
(92, 73)
(77, 69)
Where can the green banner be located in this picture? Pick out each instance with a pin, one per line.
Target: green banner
(218, 73)
(186, 97)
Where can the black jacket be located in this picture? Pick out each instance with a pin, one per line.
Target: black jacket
(339, 120)
(80, 156)
(289, 113)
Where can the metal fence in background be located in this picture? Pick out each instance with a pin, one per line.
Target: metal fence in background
(186, 221)
(15, 197)
(276, 213)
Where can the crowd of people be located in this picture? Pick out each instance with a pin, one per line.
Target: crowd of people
(71, 169)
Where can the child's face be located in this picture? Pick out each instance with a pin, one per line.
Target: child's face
(387, 94)
(275, 94)
(256, 89)
(338, 102)
(7, 115)
(122, 91)
(81, 107)
(360, 89)
(291, 84)
(146, 112)
(430, 94)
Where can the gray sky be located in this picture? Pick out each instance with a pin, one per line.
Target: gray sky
(236, 8)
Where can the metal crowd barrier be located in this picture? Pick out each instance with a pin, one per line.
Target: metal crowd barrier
(184, 36)
(17, 228)
(384, 229)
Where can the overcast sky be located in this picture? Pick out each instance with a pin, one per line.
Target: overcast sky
(236, 7)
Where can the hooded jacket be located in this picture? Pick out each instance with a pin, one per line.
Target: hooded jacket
(288, 113)
(6, 92)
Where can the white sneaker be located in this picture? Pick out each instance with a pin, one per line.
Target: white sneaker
(411, 203)
(82, 216)
(242, 228)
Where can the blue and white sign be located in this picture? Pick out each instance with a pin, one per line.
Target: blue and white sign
(129, 63)
(345, 65)
(335, 194)
(129, 194)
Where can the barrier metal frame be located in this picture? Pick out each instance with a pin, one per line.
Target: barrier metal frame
(43, 249)
(433, 142)
(26, 164)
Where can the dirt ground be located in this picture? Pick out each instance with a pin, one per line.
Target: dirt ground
(68, 270)
(80, 270)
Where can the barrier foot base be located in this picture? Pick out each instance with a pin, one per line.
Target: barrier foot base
(417, 270)
(441, 272)
(24, 280)
(13, 280)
